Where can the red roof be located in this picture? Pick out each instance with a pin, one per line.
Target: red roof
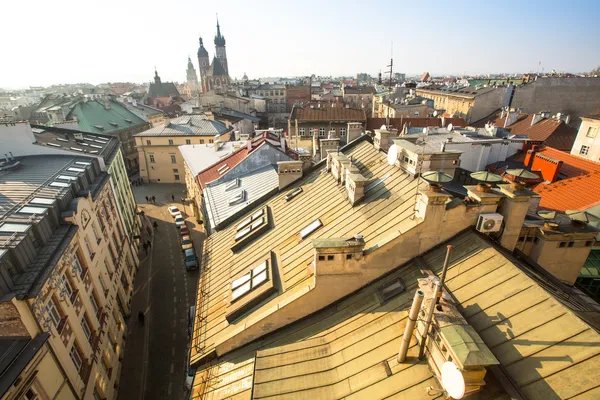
(398, 123)
(576, 193)
(555, 133)
(572, 165)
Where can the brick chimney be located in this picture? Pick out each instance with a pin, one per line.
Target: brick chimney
(288, 172)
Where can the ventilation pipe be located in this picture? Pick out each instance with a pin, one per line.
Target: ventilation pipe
(437, 290)
(444, 270)
(410, 325)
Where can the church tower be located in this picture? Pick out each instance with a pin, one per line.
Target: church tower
(192, 78)
(220, 48)
(203, 63)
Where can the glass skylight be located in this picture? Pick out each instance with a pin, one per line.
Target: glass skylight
(60, 184)
(313, 226)
(11, 228)
(237, 198)
(82, 163)
(293, 194)
(42, 200)
(53, 144)
(257, 214)
(233, 184)
(242, 233)
(250, 281)
(73, 169)
(67, 177)
(244, 223)
(33, 210)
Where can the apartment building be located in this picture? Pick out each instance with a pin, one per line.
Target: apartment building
(158, 147)
(22, 139)
(587, 142)
(67, 272)
(313, 286)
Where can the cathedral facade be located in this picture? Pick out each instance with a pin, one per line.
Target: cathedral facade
(215, 74)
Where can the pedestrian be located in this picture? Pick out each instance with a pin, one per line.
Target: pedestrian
(154, 199)
(155, 225)
(149, 244)
(146, 199)
(145, 246)
(173, 198)
(148, 229)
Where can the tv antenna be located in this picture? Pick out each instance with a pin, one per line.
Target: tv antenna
(391, 67)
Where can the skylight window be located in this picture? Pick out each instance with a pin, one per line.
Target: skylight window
(222, 169)
(67, 177)
(89, 139)
(293, 194)
(11, 228)
(42, 200)
(33, 210)
(248, 220)
(53, 144)
(74, 169)
(96, 146)
(61, 139)
(82, 162)
(60, 184)
(250, 228)
(100, 127)
(313, 226)
(237, 198)
(76, 148)
(250, 281)
(233, 184)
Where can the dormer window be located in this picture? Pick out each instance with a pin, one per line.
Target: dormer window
(237, 198)
(250, 281)
(233, 184)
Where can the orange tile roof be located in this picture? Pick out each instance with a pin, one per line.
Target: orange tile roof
(576, 193)
(327, 113)
(555, 133)
(572, 165)
(211, 173)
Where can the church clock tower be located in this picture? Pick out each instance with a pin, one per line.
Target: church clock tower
(221, 54)
(203, 63)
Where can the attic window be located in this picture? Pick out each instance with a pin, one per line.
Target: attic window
(73, 169)
(293, 194)
(313, 226)
(233, 184)
(99, 127)
(53, 144)
(60, 184)
(129, 121)
(391, 290)
(113, 124)
(250, 281)
(76, 148)
(237, 198)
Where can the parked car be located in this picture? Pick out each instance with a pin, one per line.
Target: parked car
(191, 316)
(179, 221)
(184, 230)
(174, 211)
(191, 260)
(186, 243)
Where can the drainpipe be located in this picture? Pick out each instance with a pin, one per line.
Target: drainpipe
(437, 290)
(410, 325)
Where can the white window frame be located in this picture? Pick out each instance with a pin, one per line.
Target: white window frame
(302, 131)
(76, 357)
(321, 132)
(53, 312)
(250, 281)
(68, 286)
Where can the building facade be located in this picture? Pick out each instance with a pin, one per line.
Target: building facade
(587, 143)
(75, 248)
(214, 75)
(158, 147)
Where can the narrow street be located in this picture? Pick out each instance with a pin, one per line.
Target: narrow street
(154, 365)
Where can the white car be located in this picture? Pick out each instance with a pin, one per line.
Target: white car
(174, 211)
(179, 221)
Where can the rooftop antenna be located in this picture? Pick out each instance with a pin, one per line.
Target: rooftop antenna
(391, 67)
(419, 169)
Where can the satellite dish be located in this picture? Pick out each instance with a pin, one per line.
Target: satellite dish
(435, 113)
(392, 155)
(453, 380)
(450, 127)
(383, 128)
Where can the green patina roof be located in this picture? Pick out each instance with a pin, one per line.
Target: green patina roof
(92, 114)
(469, 348)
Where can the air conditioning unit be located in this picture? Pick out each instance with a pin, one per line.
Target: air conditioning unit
(487, 223)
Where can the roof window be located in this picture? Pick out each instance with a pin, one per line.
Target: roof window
(11, 228)
(61, 139)
(67, 177)
(76, 149)
(391, 290)
(293, 194)
(313, 226)
(113, 124)
(53, 144)
(128, 121)
(250, 281)
(237, 198)
(96, 146)
(33, 210)
(82, 163)
(42, 200)
(74, 169)
(60, 184)
(250, 228)
(233, 184)
(99, 127)
(222, 169)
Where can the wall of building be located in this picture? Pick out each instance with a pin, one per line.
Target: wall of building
(156, 156)
(477, 155)
(588, 135)
(573, 96)
(562, 262)
(297, 94)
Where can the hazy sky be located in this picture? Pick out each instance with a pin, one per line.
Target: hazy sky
(68, 41)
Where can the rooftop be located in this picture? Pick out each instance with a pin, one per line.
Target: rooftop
(359, 90)
(94, 117)
(468, 91)
(327, 113)
(199, 157)
(349, 349)
(187, 125)
(398, 123)
(16, 352)
(162, 89)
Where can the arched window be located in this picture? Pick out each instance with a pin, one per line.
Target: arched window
(218, 82)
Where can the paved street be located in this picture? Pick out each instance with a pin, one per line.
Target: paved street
(156, 351)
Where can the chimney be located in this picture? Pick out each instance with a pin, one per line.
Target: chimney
(567, 119)
(549, 167)
(288, 172)
(355, 185)
(513, 207)
(354, 131)
(249, 145)
(443, 121)
(338, 256)
(410, 325)
(382, 138)
(106, 103)
(530, 156)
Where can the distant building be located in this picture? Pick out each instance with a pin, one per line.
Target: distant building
(297, 94)
(554, 130)
(192, 78)
(161, 94)
(277, 107)
(425, 77)
(160, 159)
(359, 96)
(587, 142)
(214, 75)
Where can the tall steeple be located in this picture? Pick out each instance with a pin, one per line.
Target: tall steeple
(220, 52)
(156, 77)
(192, 78)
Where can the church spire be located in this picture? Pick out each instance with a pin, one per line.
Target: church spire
(219, 39)
(156, 77)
